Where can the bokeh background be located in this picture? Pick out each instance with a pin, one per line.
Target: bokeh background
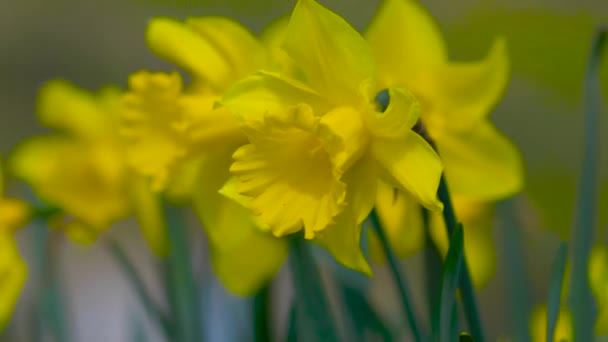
(93, 43)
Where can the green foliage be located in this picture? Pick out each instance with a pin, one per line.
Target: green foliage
(449, 283)
(555, 288)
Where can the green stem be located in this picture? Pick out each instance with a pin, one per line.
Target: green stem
(585, 219)
(432, 265)
(466, 285)
(51, 302)
(183, 296)
(313, 318)
(139, 287)
(261, 313)
(398, 277)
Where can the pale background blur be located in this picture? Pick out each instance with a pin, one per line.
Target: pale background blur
(93, 43)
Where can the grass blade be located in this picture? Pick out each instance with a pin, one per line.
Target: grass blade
(466, 285)
(515, 272)
(138, 286)
(555, 289)
(261, 315)
(363, 317)
(182, 287)
(585, 218)
(313, 318)
(449, 284)
(399, 278)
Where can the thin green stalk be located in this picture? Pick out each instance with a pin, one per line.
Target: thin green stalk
(51, 302)
(555, 289)
(398, 277)
(313, 318)
(515, 272)
(182, 287)
(261, 315)
(467, 291)
(449, 285)
(139, 287)
(585, 219)
(432, 267)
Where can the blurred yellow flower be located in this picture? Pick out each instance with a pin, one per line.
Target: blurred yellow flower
(183, 142)
(80, 168)
(563, 327)
(13, 215)
(481, 164)
(598, 281)
(318, 141)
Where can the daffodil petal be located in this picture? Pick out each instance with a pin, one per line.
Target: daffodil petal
(266, 93)
(86, 180)
(400, 116)
(243, 256)
(342, 240)
(412, 165)
(14, 214)
(272, 37)
(400, 216)
(482, 163)
(64, 106)
(332, 54)
(13, 273)
(177, 43)
(147, 208)
(462, 93)
(241, 49)
(406, 42)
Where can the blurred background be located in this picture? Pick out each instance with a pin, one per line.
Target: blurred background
(93, 43)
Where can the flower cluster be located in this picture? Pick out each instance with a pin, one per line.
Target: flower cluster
(306, 128)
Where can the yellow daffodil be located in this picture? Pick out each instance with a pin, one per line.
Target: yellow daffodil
(13, 215)
(319, 142)
(563, 327)
(598, 280)
(180, 139)
(80, 168)
(481, 164)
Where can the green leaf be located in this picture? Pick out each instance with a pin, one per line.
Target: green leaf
(467, 291)
(363, 317)
(449, 283)
(585, 219)
(555, 288)
(181, 284)
(138, 286)
(314, 321)
(261, 315)
(398, 277)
